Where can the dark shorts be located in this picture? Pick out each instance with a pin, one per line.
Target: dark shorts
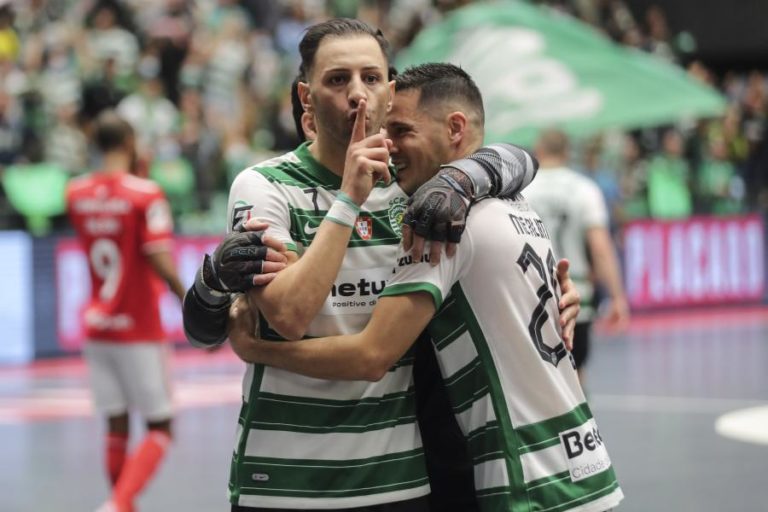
(415, 505)
(450, 469)
(581, 343)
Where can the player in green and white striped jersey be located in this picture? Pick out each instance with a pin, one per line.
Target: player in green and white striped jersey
(305, 442)
(311, 443)
(491, 310)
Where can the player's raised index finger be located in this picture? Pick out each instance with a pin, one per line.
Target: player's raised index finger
(358, 129)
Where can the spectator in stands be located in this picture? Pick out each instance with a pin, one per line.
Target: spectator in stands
(152, 115)
(200, 146)
(106, 38)
(100, 92)
(592, 165)
(9, 40)
(633, 181)
(59, 79)
(171, 30)
(669, 180)
(11, 129)
(65, 143)
(224, 90)
(720, 188)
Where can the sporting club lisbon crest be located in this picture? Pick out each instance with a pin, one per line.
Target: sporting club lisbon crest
(396, 212)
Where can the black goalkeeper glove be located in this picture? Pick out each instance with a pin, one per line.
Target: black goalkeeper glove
(235, 262)
(438, 210)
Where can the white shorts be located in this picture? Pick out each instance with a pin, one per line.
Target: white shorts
(130, 376)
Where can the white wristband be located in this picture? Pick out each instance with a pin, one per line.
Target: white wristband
(343, 211)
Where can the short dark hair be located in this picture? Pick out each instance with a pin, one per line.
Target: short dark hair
(553, 142)
(111, 131)
(439, 82)
(297, 109)
(335, 27)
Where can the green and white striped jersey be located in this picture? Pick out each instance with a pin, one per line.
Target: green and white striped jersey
(510, 380)
(312, 443)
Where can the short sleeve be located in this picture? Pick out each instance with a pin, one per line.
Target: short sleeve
(411, 276)
(156, 229)
(253, 196)
(594, 211)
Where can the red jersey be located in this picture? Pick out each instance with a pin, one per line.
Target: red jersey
(119, 218)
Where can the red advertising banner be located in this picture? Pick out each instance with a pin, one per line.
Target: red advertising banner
(73, 287)
(702, 260)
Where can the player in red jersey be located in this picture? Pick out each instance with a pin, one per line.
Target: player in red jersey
(125, 226)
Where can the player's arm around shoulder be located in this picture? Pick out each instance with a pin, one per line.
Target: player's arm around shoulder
(368, 355)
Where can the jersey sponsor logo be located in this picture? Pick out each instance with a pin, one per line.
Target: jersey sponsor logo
(112, 205)
(356, 291)
(310, 230)
(396, 212)
(364, 227)
(241, 214)
(103, 226)
(356, 297)
(99, 321)
(585, 451)
(408, 260)
(362, 288)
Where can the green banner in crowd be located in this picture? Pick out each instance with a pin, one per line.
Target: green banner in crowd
(537, 68)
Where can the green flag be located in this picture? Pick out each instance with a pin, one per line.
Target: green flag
(537, 67)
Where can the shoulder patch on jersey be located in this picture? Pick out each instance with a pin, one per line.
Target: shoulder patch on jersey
(241, 213)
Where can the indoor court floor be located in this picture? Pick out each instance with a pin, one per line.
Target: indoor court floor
(681, 400)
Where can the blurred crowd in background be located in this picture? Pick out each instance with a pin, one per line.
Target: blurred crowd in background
(205, 83)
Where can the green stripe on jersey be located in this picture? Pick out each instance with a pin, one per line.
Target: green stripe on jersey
(406, 288)
(278, 477)
(307, 173)
(537, 436)
(498, 499)
(557, 493)
(276, 412)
